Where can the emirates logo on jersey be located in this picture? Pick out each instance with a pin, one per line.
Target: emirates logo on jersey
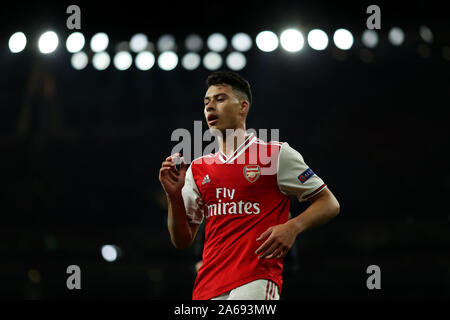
(252, 172)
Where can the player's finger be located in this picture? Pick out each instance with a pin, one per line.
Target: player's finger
(167, 172)
(168, 164)
(164, 174)
(168, 169)
(173, 176)
(163, 171)
(175, 157)
(265, 234)
(269, 251)
(182, 165)
(278, 251)
(172, 166)
(282, 254)
(171, 159)
(264, 246)
(177, 154)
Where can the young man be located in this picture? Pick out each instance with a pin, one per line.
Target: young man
(243, 194)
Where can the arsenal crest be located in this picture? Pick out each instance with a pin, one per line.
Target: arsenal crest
(252, 172)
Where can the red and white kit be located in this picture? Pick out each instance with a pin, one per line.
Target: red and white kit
(239, 198)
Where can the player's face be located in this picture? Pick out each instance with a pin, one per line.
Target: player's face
(222, 108)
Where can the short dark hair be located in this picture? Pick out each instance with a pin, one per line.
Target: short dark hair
(236, 81)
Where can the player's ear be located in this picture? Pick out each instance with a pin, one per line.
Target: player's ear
(244, 107)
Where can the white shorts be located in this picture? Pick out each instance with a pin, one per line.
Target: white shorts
(261, 289)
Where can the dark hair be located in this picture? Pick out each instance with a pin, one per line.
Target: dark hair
(236, 81)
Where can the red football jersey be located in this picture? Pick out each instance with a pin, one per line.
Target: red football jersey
(239, 198)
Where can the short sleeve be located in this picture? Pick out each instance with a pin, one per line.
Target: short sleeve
(192, 198)
(294, 176)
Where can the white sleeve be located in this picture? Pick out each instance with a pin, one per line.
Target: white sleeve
(192, 198)
(294, 176)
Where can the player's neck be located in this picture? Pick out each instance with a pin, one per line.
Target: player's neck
(229, 143)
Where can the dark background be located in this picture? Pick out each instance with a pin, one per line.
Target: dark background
(80, 151)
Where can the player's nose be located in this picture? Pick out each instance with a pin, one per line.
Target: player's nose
(210, 107)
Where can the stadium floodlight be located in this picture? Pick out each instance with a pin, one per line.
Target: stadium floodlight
(79, 60)
(138, 42)
(217, 42)
(166, 43)
(110, 252)
(267, 41)
(191, 61)
(426, 34)
(17, 42)
(396, 36)
(241, 42)
(122, 60)
(343, 39)
(75, 42)
(292, 40)
(236, 61)
(317, 39)
(145, 60)
(48, 42)
(101, 60)
(193, 42)
(99, 42)
(370, 38)
(167, 60)
(212, 61)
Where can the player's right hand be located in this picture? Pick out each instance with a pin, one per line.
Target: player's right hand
(172, 179)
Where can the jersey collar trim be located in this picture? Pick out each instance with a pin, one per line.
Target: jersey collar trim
(244, 145)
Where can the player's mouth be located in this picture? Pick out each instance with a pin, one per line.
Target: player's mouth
(212, 119)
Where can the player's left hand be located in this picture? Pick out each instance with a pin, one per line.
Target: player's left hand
(280, 239)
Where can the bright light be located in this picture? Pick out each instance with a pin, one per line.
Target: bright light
(193, 43)
(267, 41)
(236, 61)
(138, 42)
(168, 60)
(396, 36)
(145, 60)
(212, 61)
(241, 42)
(122, 60)
(109, 253)
(75, 42)
(17, 42)
(191, 61)
(217, 42)
(426, 34)
(101, 60)
(292, 40)
(99, 42)
(317, 39)
(79, 60)
(48, 42)
(370, 38)
(343, 39)
(166, 43)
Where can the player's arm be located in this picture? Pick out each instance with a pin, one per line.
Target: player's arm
(182, 232)
(296, 178)
(280, 238)
(324, 206)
